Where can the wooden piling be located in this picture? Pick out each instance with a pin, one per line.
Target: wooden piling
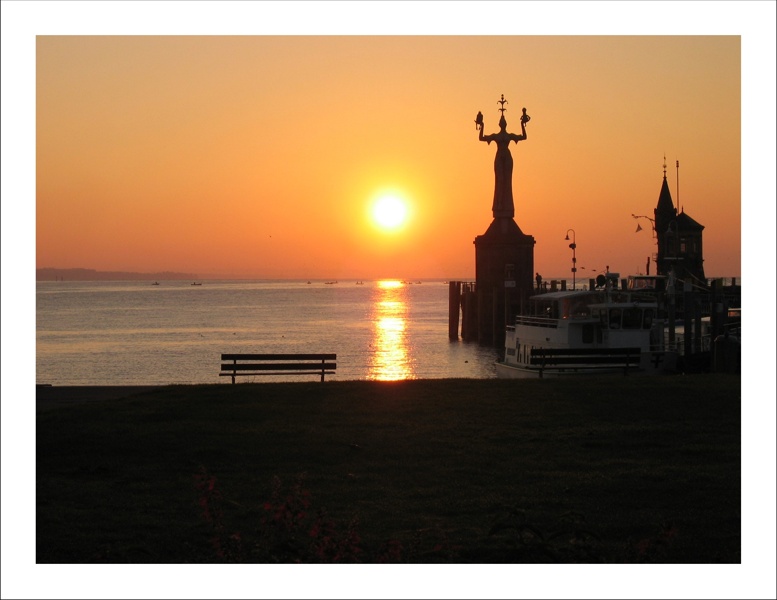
(469, 306)
(454, 307)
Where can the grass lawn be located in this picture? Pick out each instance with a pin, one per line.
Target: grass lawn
(611, 469)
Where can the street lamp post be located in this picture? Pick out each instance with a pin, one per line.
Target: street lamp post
(573, 245)
(652, 223)
(655, 237)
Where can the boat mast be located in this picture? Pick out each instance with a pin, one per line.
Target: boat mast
(677, 190)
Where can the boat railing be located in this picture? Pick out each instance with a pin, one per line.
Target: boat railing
(536, 321)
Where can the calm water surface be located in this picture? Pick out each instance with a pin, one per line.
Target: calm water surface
(136, 333)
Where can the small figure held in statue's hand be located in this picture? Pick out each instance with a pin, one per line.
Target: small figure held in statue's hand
(479, 121)
(538, 278)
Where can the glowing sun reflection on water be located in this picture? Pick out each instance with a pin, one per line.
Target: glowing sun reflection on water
(390, 358)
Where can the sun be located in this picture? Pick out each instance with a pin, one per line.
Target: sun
(389, 212)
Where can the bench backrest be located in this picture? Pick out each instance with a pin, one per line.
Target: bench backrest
(570, 356)
(278, 356)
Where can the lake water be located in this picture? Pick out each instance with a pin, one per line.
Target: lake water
(136, 333)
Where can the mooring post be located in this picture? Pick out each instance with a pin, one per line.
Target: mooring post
(454, 304)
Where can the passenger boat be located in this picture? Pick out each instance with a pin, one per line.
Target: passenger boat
(586, 332)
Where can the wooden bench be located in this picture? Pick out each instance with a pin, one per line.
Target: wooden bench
(572, 359)
(277, 364)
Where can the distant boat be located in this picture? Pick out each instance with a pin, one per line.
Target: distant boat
(195, 283)
(155, 283)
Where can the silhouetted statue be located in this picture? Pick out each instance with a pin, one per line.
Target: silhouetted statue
(503, 163)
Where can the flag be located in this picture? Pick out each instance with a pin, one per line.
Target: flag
(639, 228)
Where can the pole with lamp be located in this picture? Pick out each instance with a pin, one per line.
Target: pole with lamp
(653, 227)
(573, 245)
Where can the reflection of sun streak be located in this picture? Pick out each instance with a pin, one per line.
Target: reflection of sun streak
(389, 284)
(391, 352)
(390, 357)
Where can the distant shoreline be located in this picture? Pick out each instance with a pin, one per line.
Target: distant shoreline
(78, 274)
(49, 274)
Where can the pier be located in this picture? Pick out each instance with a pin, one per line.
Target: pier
(702, 323)
(696, 311)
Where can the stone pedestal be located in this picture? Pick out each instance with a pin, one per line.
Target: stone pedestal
(504, 277)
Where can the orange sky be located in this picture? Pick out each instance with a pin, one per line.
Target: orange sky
(258, 155)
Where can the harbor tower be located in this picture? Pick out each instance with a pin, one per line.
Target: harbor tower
(679, 240)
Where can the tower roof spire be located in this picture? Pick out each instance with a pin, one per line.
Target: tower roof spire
(665, 210)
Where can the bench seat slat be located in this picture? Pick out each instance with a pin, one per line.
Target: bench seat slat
(564, 368)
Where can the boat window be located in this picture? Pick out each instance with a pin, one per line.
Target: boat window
(550, 311)
(580, 308)
(615, 318)
(632, 318)
(647, 319)
(588, 333)
(564, 308)
(545, 308)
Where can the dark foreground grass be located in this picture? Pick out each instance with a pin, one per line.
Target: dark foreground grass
(615, 470)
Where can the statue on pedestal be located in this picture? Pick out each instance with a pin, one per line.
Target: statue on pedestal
(503, 163)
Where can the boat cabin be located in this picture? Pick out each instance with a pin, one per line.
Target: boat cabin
(611, 310)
